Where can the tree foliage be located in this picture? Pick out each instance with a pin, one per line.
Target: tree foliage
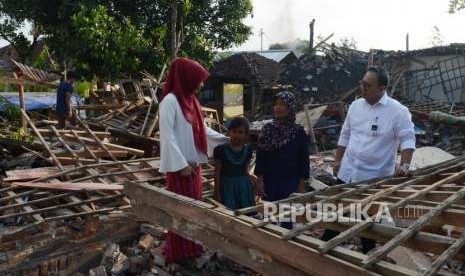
(10, 30)
(111, 46)
(300, 45)
(278, 46)
(114, 38)
(456, 5)
(347, 42)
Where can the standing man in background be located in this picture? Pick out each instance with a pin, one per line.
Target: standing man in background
(64, 110)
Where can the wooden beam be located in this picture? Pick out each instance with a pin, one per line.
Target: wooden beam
(22, 104)
(70, 186)
(29, 174)
(49, 133)
(235, 232)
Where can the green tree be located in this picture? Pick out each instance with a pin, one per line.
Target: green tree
(278, 46)
(300, 45)
(51, 21)
(66, 25)
(347, 42)
(112, 46)
(456, 5)
(11, 31)
(201, 27)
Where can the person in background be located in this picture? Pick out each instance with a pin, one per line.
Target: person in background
(185, 141)
(282, 164)
(374, 128)
(233, 185)
(64, 109)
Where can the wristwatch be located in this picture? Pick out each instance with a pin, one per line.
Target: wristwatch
(404, 167)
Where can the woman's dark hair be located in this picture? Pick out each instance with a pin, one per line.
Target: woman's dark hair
(239, 122)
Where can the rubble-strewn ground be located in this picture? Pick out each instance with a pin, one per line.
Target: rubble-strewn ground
(145, 257)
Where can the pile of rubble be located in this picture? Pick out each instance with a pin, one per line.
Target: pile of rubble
(324, 78)
(144, 256)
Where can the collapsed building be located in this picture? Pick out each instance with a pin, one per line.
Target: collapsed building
(431, 82)
(93, 189)
(240, 84)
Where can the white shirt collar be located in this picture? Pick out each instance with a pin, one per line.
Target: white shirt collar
(383, 100)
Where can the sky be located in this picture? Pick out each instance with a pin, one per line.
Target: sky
(374, 24)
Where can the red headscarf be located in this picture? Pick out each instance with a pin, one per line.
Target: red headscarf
(183, 79)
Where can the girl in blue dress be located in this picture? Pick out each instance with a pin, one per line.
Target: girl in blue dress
(233, 185)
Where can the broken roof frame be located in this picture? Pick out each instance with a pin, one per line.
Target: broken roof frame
(23, 200)
(438, 192)
(28, 75)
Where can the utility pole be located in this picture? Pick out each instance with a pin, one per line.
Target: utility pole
(312, 25)
(407, 42)
(261, 39)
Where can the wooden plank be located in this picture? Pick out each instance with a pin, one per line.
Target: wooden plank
(450, 216)
(412, 229)
(86, 147)
(271, 247)
(44, 143)
(29, 174)
(95, 154)
(71, 186)
(124, 172)
(445, 256)
(72, 161)
(368, 223)
(110, 146)
(31, 202)
(71, 198)
(26, 207)
(249, 257)
(99, 106)
(65, 205)
(49, 133)
(354, 257)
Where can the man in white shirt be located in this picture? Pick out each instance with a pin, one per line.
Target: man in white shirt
(374, 128)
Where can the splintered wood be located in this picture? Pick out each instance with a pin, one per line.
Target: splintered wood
(54, 249)
(54, 197)
(428, 107)
(86, 180)
(139, 118)
(79, 146)
(415, 210)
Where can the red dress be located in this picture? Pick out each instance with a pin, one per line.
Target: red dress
(178, 248)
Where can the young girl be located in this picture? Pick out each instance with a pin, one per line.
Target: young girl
(233, 186)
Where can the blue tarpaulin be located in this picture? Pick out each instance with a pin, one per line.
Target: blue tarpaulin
(38, 101)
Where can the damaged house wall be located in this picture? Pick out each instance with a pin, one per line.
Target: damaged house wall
(256, 73)
(433, 74)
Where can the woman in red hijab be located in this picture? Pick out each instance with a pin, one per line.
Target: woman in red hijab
(184, 143)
